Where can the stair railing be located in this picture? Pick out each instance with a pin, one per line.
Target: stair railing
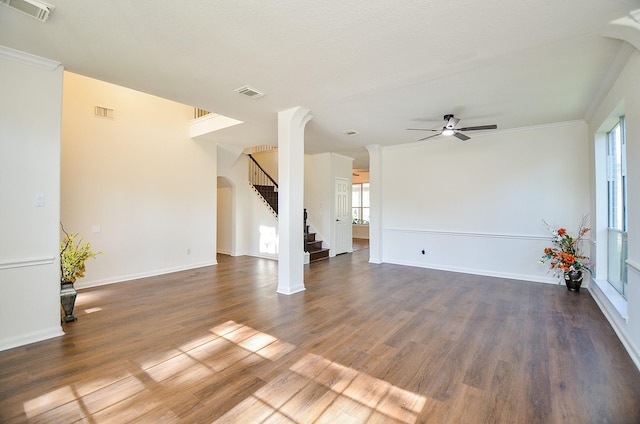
(263, 184)
(258, 176)
(306, 231)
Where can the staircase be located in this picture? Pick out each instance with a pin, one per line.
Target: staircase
(313, 246)
(270, 195)
(267, 188)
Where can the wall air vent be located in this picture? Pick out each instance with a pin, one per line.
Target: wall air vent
(249, 91)
(34, 8)
(104, 112)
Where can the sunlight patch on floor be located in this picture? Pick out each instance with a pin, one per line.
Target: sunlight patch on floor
(321, 391)
(314, 389)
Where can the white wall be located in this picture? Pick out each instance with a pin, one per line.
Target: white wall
(268, 160)
(256, 228)
(477, 207)
(318, 196)
(321, 171)
(30, 111)
(136, 187)
(225, 217)
(624, 93)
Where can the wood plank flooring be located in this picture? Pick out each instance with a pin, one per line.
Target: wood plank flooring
(364, 343)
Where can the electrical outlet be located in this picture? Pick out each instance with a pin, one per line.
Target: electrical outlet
(188, 251)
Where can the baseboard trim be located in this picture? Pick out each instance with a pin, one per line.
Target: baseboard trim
(291, 291)
(130, 277)
(33, 337)
(485, 273)
(263, 256)
(610, 312)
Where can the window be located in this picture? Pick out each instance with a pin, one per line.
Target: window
(617, 207)
(360, 203)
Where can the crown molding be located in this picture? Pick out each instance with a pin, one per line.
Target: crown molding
(13, 55)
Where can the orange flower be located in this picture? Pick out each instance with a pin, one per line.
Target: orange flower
(565, 254)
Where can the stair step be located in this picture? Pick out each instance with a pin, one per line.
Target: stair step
(312, 246)
(318, 255)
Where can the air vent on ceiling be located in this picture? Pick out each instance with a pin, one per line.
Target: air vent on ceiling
(34, 8)
(104, 112)
(249, 91)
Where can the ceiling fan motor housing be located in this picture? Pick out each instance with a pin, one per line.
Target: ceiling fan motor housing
(450, 121)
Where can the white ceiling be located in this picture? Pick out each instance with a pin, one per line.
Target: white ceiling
(374, 66)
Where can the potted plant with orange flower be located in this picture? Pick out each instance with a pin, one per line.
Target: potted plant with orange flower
(565, 257)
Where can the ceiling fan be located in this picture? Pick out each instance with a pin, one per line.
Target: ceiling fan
(450, 128)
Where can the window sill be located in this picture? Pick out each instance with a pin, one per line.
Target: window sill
(617, 301)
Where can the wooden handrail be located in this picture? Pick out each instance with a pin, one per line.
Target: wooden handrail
(273, 182)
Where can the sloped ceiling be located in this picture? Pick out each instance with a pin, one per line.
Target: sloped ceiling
(374, 66)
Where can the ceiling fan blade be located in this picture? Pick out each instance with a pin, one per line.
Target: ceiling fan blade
(420, 129)
(431, 136)
(480, 127)
(461, 136)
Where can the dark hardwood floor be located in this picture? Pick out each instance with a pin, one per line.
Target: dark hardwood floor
(359, 244)
(364, 343)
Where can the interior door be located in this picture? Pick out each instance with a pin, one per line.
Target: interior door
(342, 215)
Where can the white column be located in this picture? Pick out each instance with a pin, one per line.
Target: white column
(375, 198)
(291, 123)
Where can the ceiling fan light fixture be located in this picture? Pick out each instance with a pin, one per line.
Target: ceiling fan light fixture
(448, 131)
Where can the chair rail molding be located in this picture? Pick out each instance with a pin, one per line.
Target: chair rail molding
(29, 262)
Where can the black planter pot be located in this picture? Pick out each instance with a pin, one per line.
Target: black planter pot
(573, 280)
(68, 295)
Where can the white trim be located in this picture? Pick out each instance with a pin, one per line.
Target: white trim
(28, 59)
(607, 308)
(633, 266)
(270, 256)
(338, 155)
(130, 277)
(468, 234)
(21, 263)
(291, 290)
(616, 300)
(521, 277)
(527, 238)
(25, 339)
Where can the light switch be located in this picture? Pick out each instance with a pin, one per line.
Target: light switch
(95, 229)
(39, 203)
